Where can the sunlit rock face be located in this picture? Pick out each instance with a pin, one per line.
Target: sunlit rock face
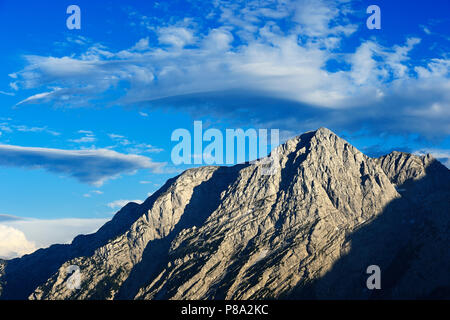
(309, 229)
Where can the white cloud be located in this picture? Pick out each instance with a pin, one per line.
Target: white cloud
(14, 86)
(141, 45)
(117, 204)
(133, 146)
(426, 29)
(7, 93)
(8, 127)
(315, 17)
(14, 243)
(92, 166)
(23, 128)
(85, 139)
(249, 54)
(143, 148)
(175, 36)
(115, 136)
(88, 132)
(41, 233)
(120, 139)
(218, 40)
(90, 193)
(5, 127)
(39, 97)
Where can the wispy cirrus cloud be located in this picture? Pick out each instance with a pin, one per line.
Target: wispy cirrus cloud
(133, 146)
(88, 137)
(92, 166)
(9, 127)
(7, 93)
(92, 192)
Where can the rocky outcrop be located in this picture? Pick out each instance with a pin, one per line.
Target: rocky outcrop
(424, 184)
(2, 272)
(309, 229)
(109, 265)
(271, 233)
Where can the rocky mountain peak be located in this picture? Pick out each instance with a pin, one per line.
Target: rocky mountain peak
(309, 228)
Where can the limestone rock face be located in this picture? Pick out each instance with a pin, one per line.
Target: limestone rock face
(108, 267)
(307, 228)
(401, 166)
(2, 271)
(271, 233)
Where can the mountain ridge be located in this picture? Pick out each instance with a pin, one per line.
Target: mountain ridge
(237, 233)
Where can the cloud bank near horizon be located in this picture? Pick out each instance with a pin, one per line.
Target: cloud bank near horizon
(19, 236)
(13, 243)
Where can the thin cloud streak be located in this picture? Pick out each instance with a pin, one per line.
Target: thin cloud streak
(92, 166)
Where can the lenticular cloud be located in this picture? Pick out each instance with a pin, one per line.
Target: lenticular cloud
(93, 166)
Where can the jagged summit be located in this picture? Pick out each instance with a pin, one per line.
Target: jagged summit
(401, 166)
(321, 134)
(309, 229)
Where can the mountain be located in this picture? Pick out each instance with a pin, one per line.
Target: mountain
(308, 230)
(2, 267)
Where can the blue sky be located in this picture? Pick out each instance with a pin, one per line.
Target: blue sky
(87, 115)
